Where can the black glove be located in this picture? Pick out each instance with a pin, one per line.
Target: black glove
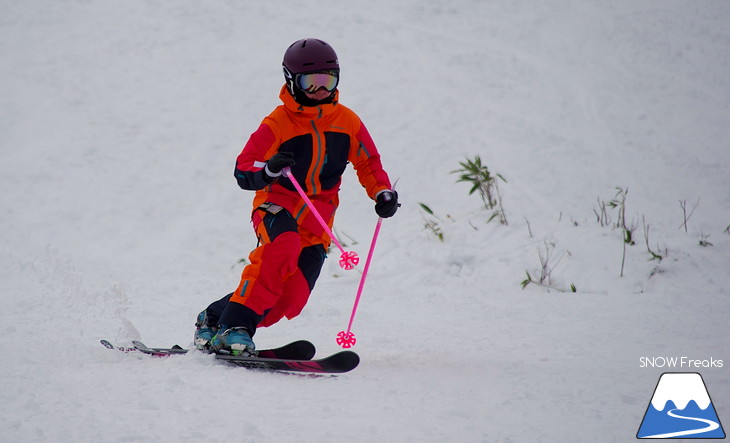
(276, 163)
(386, 203)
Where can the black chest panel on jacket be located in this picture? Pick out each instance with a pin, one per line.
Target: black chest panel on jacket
(335, 160)
(328, 165)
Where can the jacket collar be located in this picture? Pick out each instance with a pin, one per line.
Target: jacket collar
(318, 111)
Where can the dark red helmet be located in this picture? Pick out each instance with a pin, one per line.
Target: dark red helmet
(310, 55)
(306, 56)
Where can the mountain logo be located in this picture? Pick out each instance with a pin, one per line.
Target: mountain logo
(680, 408)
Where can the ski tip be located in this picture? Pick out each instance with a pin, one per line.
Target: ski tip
(348, 359)
(106, 344)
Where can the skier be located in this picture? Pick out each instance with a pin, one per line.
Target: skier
(315, 136)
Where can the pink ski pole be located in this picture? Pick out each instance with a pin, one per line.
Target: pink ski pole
(348, 259)
(347, 339)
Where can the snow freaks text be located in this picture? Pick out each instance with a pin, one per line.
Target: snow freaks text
(679, 362)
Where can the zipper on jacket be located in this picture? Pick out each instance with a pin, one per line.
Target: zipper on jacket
(319, 155)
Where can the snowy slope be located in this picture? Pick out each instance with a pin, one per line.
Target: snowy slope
(119, 126)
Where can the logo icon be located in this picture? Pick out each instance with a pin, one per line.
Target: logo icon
(680, 408)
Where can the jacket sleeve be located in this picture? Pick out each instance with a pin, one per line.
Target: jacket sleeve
(249, 171)
(366, 161)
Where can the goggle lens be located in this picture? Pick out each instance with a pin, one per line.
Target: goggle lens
(314, 81)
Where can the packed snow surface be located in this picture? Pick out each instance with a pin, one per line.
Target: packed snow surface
(119, 126)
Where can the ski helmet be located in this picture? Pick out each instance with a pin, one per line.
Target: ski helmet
(306, 56)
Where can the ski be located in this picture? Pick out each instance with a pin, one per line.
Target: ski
(298, 350)
(293, 357)
(107, 344)
(337, 363)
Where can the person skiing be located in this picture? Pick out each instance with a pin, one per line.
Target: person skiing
(315, 136)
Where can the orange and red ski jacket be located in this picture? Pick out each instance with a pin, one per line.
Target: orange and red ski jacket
(323, 139)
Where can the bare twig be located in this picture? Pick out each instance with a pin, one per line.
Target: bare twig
(601, 214)
(654, 255)
(683, 205)
(704, 241)
(546, 268)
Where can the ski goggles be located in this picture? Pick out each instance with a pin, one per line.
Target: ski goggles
(313, 81)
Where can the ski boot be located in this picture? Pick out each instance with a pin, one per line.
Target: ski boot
(233, 341)
(203, 332)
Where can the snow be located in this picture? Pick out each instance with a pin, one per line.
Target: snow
(119, 126)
